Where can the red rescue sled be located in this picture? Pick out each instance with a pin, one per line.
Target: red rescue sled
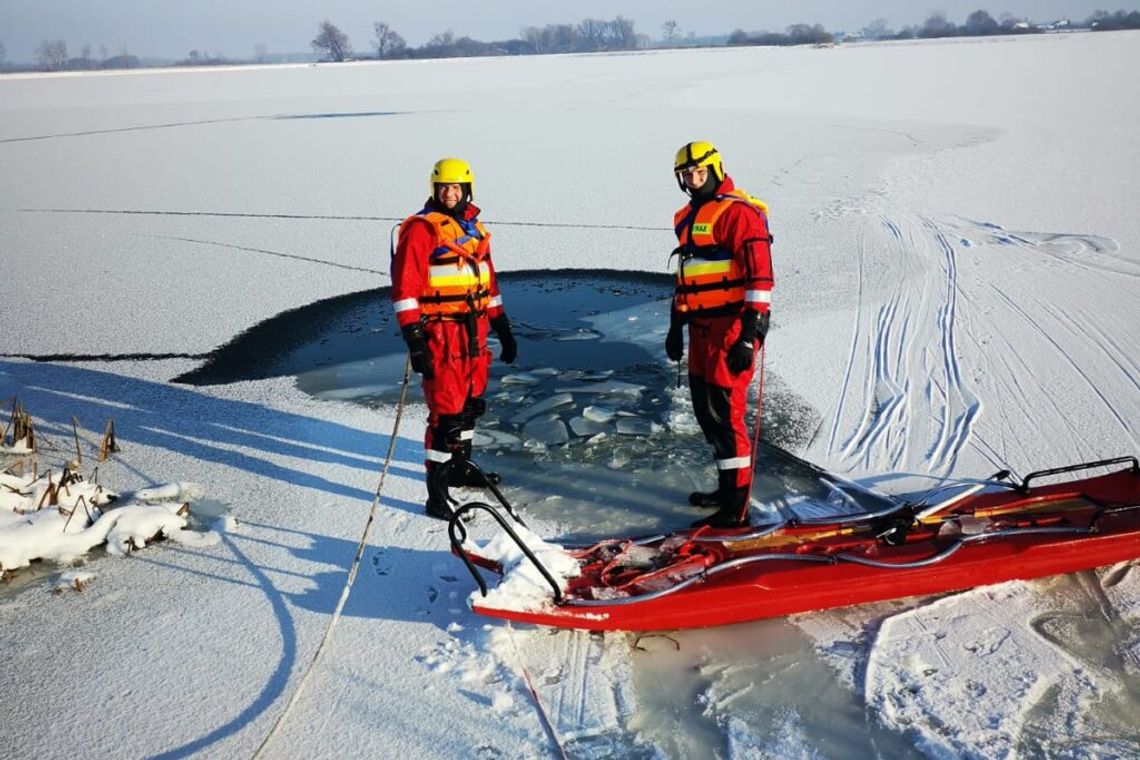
(704, 577)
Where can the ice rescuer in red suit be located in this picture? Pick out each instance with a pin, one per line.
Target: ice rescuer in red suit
(446, 300)
(723, 293)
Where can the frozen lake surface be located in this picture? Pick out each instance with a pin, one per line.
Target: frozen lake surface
(956, 261)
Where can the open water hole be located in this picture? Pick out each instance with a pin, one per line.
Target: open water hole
(593, 436)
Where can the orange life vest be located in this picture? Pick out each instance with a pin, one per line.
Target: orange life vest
(710, 282)
(459, 270)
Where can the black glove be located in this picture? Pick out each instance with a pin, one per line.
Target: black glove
(674, 344)
(510, 347)
(753, 327)
(418, 349)
(740, 356)
(675, 341)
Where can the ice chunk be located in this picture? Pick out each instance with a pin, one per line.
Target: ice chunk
(608, 386)
(636, 426)
(521, 378)
(489, 439)
(548, 431)
(585, 426)
(555, 401)
(598, 413)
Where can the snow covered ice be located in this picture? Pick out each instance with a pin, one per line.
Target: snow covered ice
(956, 256)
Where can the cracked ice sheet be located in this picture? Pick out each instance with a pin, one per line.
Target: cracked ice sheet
(1001, 670)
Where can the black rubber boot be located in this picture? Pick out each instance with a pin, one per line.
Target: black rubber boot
(437, 505)
(733, 512)
(461, 476)
(726, 482)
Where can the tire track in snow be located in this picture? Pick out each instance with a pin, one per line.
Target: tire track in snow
(856, 335)
(913, 335)
(955, 427)
(884, 392)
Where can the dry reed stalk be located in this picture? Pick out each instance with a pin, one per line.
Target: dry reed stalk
(109, 445)
(75, 431)
(48, 494)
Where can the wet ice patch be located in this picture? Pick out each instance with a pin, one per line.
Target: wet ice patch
(995, 672)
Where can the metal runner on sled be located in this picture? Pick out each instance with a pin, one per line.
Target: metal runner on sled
(994, 531)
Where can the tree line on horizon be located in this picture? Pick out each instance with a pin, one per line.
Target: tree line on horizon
(592, 35)
(586, 36)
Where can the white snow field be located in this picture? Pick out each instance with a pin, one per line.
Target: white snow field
(958, 290)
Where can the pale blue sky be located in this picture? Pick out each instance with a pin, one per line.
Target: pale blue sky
(171, 28)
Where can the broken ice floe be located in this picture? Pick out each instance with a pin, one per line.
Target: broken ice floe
(549, 430)
(544, 408)
(585, 427)
(551, 402)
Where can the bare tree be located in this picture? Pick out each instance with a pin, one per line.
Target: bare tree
(534, 37)
(624, 33)
(445, 38)
(52, 55)
(260, 52)
(938, 26)
(980, 23)
(3, 53)
(878, 30)
(388, 41)
(102, 52)
(669, 29)
(332, 42)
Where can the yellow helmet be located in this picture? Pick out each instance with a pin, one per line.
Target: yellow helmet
(698, 153)
(452, 171)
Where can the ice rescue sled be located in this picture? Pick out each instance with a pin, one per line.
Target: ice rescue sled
(990, 532)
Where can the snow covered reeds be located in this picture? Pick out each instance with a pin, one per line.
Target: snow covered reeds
(61, 516)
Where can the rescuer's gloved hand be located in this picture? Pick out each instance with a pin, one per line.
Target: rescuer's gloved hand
(762, 327)
(510, 347)
(739, 356)
(418, 349)
(753, 327)
(675, 341)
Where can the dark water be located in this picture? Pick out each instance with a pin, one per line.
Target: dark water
(589, 425)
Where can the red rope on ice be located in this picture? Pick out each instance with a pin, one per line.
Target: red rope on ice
(756, 434)
(352, 570)
(544, 718)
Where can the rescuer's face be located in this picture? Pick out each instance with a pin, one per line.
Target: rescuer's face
(695, 177)
(449, 195)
